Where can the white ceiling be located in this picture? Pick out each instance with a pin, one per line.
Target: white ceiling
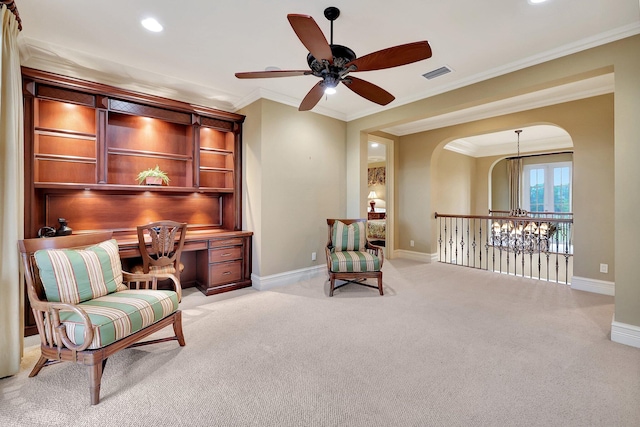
(532, 139)
(205, 42)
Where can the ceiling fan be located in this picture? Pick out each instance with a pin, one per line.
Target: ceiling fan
(333, 62)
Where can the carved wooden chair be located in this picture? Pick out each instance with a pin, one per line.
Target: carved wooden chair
(350, 257)
(86, 308)
(160, 245)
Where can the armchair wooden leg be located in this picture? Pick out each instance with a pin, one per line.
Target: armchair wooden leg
(177, 328)
(38, 366)
(333, 283)
(380, 285)
(95, 377)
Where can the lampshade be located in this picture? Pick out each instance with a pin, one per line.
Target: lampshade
(372, 195)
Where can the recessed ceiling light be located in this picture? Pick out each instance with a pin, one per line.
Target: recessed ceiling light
(151, 24)
(536, 1)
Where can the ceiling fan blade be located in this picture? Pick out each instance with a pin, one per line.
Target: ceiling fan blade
(393, 56)
(312, 98)
(274, 73)
(311, 36)
(368, 90)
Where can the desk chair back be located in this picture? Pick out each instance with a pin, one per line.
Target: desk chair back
(161, 244)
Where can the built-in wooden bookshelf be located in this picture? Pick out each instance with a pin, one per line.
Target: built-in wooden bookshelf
(82, 136)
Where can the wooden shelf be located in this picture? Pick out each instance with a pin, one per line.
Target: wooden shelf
(153, 154)
(65, 158)
(210, 169)
(217, 151)
(129, 188)
(64, 133)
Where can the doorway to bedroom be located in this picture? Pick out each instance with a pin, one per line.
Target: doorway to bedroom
(380, 192)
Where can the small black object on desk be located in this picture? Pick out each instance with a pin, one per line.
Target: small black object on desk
(63, 229)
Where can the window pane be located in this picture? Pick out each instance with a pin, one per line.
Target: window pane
(536, 190)
(561, 189)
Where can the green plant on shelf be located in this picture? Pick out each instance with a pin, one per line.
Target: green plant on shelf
(153, 176)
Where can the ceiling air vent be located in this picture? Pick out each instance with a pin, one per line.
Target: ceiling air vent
(437, 72)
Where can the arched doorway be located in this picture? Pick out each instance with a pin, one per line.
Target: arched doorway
(488, 223)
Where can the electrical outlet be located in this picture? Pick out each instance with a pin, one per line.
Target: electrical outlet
(412, 243)
(604, 268)
(313, 256)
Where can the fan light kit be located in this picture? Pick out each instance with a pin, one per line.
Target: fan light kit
(333, 62)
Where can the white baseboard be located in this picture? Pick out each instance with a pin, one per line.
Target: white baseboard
(415, 256)
(623, 333)
(593, 285)
(281, 279)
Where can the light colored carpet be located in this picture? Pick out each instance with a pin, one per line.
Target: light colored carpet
(445, 346)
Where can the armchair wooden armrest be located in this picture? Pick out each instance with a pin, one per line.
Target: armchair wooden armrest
(376, 250)
(47, 316)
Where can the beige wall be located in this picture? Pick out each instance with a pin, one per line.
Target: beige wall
(621, 56)
(499, 196)
(413, 195)
(296, 180)
(251, 180)
(454, 189)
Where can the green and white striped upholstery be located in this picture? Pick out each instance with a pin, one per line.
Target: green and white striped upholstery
(73, 276)
(354, 261)
(350, 237)
(119, 314)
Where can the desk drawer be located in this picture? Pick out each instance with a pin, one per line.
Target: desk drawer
(225, 254)
(225, 242)
(225, 272)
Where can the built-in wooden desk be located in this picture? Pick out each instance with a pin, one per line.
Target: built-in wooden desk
(215, 260)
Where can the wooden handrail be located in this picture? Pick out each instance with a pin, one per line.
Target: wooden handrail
(535, 213)
(505, 218)
(11, 5)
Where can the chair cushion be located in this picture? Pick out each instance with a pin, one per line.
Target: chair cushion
(167, 269)
(354, 261)
(160, 269)
(73, 276)
(350, 237)
(119, 314)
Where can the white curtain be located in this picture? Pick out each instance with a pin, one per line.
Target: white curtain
(11, 197)
(514, 169)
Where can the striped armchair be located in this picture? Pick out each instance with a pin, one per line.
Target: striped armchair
(86, 308)
(350, 257)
